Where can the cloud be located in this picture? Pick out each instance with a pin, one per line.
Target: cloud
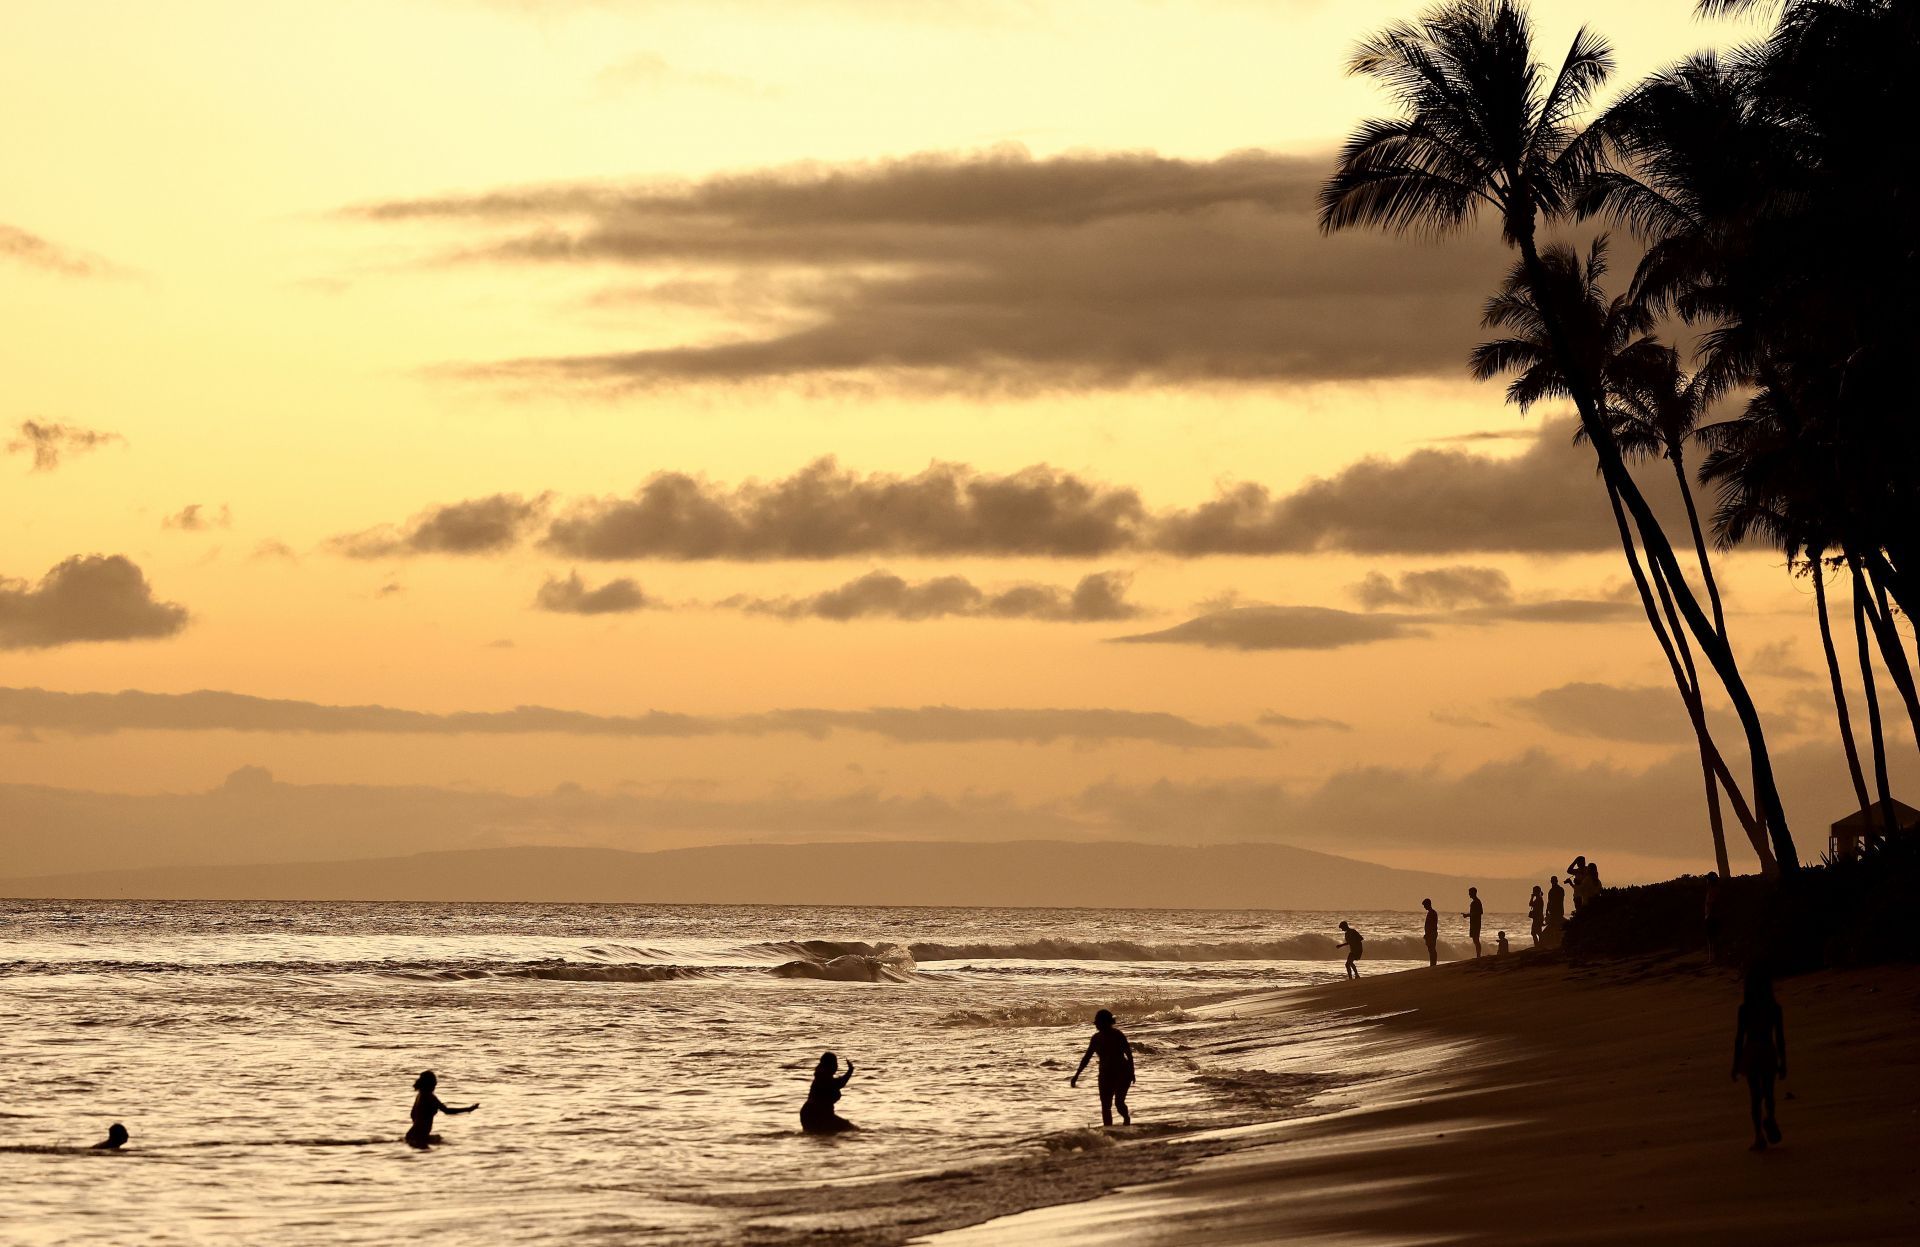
(1281, 627)
(994, 271)
(1778, 660)
(198, 518)
(89, 597)
(274, 548)
(48, 442)
(572, 597)
(1442, 588)
(1432, 502)
(34, 251)
(1288, 723)
(476, 526)
(883, 595)
(825, 511)
(1642, 714)
(1541, 501)
(207, 711)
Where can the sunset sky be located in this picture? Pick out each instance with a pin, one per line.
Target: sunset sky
(445, 357)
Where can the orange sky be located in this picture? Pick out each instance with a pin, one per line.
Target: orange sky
(278, 268)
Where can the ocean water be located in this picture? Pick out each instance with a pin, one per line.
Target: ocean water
(639, 1069)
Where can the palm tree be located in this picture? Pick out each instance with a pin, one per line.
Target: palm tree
(1484, 126)
(1610, 340)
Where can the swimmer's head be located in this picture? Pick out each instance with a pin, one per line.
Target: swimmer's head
(116, 1135)
(426, 1081)
(828, 1063)
(1103, 1019)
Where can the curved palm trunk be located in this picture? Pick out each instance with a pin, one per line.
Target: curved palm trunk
(1839, 690)
(1710, 762)
(1660, 553)
(1873, 697)
(1677, 453)
(1892, 652)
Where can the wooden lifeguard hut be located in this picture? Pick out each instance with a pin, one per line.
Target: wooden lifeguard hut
(1852, 834)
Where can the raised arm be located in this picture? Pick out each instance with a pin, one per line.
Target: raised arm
(842, 1080)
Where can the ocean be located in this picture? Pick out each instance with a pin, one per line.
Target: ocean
(639, 1069)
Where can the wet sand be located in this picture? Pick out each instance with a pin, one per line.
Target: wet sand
(1531, 1101)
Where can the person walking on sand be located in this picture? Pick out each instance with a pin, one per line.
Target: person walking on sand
(1432, 932)
(1475, 911)
(1760, 1053)
(1109, 1043)
(1710, 917)
(425, 1105)
(1352, 942)
(1537, 914)
(817, 1115)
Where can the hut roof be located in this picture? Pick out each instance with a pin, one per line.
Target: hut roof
(1871, 821)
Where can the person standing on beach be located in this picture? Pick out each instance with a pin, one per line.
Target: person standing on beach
(1577, 880)
(1556, 912)
(1433, 932)
(1537, 914)
(1760, 1053)
(1352, 942)
(1475, 911)
(1110, 1044)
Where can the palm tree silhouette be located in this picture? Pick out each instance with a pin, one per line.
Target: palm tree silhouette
(1650, 408)
(1484, 126)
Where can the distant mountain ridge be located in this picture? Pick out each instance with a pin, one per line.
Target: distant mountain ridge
(1023, 873)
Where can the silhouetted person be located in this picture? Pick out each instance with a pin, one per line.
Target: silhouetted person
(1500, 945)
(1432, 932)
(1537, 914)
(1475, 911)
(425, 1105)
(1760, 1053)
(1556, 912)
(1116, 1067)
(1590, 885)
(817, 1115)
(1352, 942)
(116, 1139)
(1710, 917)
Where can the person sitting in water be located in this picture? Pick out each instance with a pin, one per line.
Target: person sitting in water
(1760, 1054)
(1110, 1044)
(817, 1115)
(116, 1139)
(1352, 943)
(425, 1105)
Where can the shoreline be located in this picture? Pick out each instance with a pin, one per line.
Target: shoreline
(1540, 1101)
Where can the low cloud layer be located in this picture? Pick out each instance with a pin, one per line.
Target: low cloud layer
(48, 443)
(32, 251)
(36, 709)
(86, 598)
(1100, 597)
(1441, 588)
(988, 271)
(572, 597)
(1641, 714)
(476, 526)
(1281, 627)
(1544, 500)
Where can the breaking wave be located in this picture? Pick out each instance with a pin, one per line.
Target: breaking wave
(1293, 948)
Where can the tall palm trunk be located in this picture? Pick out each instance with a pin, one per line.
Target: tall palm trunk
(1873, 698)
(1660, 552)
(1893, 652)
(1690, 695)
(1839, 690)
(1677, 452)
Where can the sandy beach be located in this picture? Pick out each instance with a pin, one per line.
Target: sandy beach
(1533, 1101)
